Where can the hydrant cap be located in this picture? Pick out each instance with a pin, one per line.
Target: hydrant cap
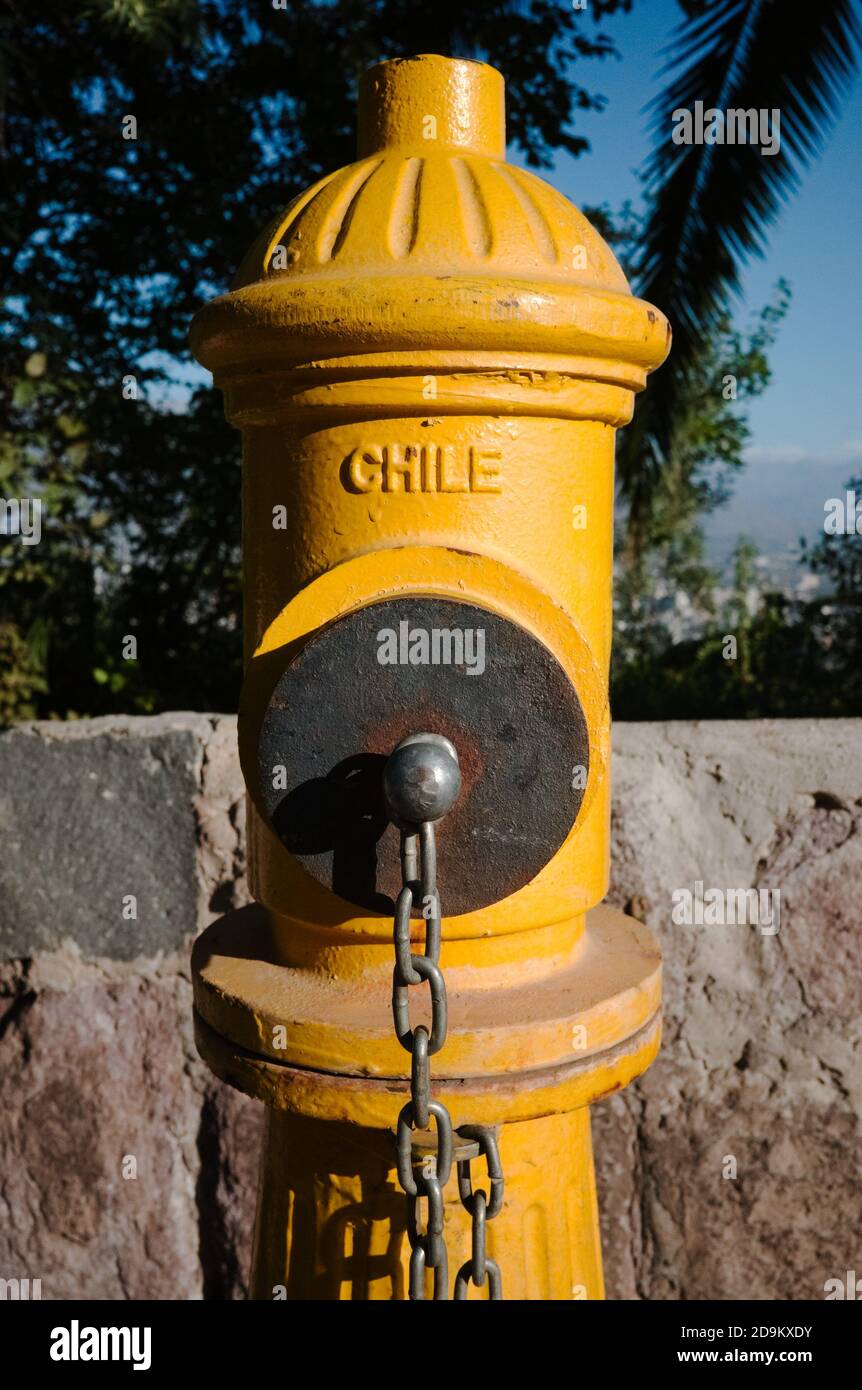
(454, 102)
(430, 240)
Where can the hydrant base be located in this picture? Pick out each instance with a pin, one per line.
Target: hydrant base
(374, 1102)
(331, 1219)
(599, 989)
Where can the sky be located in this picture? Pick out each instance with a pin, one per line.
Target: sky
(806, 431)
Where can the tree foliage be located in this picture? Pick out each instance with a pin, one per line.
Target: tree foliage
(789, 657)
(107, 247)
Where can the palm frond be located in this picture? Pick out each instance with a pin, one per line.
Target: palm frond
(712, 205)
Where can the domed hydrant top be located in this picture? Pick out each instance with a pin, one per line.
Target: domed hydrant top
(429, 233)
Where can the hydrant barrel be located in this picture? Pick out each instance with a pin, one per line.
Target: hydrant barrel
(428, 354)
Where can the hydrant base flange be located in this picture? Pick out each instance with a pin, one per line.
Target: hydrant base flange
(373, 1103)
(297, 1037)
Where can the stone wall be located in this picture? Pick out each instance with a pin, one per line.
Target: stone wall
(759, 1072)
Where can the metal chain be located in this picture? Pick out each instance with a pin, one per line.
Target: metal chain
(428, 1247)
(482, 1209)
(426, 1176)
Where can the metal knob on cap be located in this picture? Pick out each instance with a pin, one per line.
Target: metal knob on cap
(421, 779)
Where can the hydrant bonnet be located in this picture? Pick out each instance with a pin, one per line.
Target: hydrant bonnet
(450, 244)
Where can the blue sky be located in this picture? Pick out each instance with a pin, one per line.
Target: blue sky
(806, 431)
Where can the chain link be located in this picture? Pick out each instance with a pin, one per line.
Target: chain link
(425, 1180)
(482, 1209)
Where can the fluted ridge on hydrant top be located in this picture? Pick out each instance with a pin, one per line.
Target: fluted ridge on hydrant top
(432, 198)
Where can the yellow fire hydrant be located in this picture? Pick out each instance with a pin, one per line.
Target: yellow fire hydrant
(428, 354)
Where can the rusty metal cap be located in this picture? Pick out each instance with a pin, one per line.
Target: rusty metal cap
(430, 240)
